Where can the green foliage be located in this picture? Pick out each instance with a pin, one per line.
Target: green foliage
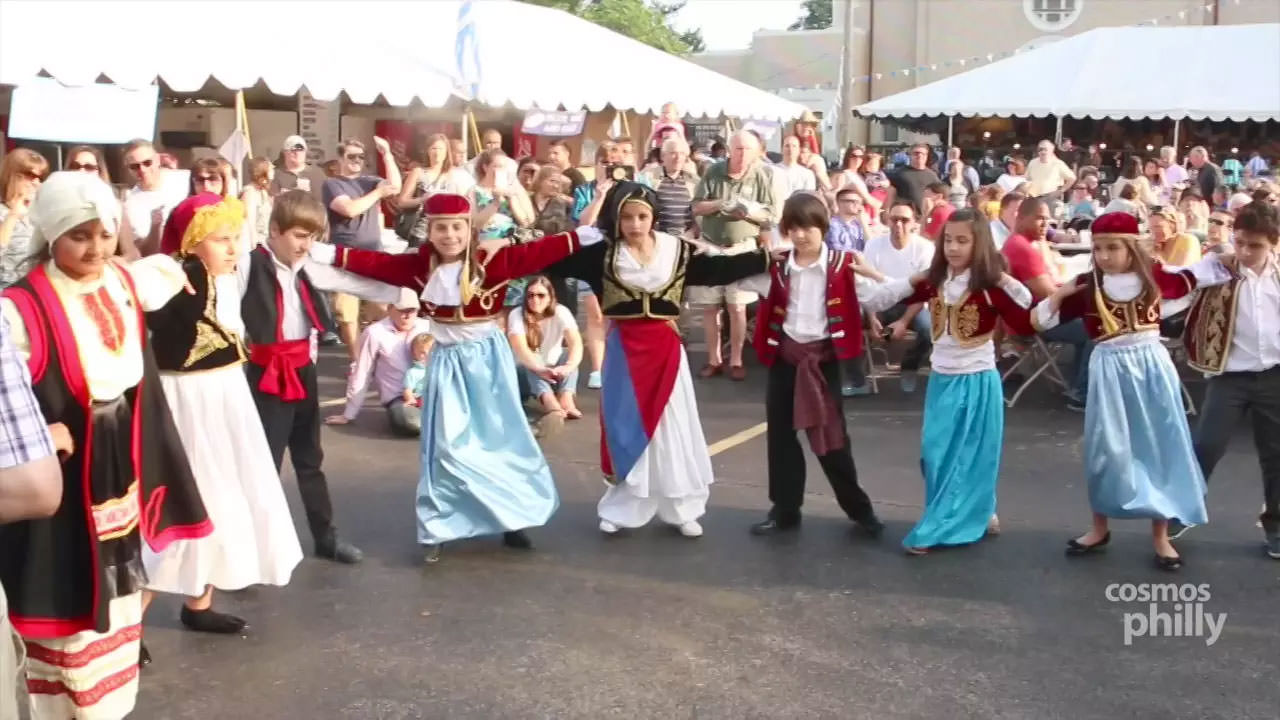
(644, 21)
(817, 16)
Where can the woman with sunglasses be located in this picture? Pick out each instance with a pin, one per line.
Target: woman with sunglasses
(544, 337)
(20, 176)
(85, 158)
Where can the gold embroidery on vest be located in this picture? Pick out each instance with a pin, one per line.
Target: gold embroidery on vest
(208, 340)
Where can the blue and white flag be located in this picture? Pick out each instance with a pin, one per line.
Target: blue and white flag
(467, 51)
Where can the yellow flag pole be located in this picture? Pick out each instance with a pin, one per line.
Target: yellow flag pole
(242, 120)
(475, 130)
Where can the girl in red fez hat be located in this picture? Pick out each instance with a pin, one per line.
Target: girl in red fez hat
(1138, 455)
(200, 352)
(482, 471)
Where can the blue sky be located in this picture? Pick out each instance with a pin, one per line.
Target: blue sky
(728, 24)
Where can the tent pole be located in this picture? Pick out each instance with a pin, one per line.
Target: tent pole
(1057, 132)
(951, 130)
(466, 111)
(1176, 123)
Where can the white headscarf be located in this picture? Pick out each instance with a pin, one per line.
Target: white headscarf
(67, 199)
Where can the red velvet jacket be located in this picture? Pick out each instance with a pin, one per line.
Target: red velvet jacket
(972, 320)
(1136, 315)
(844, 319)
(412, 270)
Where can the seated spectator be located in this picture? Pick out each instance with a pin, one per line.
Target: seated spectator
(1027, 265)
(544, 337)
(846, 231)
(936, 209)
(1218, 238)
(1172, 245)
(415, 378)
(1127, 202)
(1082, 209)
(901, 254)
(383, 354)
(1005, 220)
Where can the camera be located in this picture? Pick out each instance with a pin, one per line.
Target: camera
(619, 173)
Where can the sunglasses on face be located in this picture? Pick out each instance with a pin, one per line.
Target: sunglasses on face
(1220, 222)
(208, 179)
(296, 148)
(899, 219)
(136, 166)
(537, 295)
(356, 156)
(86, 167)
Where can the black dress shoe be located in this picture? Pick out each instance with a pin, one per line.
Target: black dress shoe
(773, 526)
(144, 655)
(1075, 547)
(338, 550)
(517, 539)
(870, 526)
(211, 621)
(1165, 562)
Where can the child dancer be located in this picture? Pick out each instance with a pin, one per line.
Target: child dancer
(1231, 335)
(653, 453)
(200, 356)
(960, 443)
(282, 315)
(482, 472)
(1137, 447)
(810, 320)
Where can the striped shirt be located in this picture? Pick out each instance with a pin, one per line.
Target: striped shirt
(24, 436)
(675, 210)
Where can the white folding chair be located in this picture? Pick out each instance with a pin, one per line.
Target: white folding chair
(1037, 358)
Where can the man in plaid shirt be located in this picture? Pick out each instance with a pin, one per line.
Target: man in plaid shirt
(30, 487)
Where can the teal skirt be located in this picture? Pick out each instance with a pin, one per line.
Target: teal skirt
(960, 448)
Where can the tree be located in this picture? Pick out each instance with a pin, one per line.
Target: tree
(650, 23)
(817, 16)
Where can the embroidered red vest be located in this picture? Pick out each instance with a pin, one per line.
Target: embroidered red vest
(844, 319)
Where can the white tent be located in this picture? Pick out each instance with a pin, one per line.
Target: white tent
(527, 55)
(237, 44)
(1222, 72)
(524, 55)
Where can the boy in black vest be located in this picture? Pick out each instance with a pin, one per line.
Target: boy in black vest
(283, 312)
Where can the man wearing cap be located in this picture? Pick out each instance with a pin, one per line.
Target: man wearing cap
(384, 356)
(293, 170)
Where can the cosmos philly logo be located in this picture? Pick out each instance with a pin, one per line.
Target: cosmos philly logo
(1176, 610)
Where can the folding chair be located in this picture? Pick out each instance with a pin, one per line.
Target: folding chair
(1038, 357)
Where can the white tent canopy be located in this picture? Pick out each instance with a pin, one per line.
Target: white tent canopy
(530, 55)
(186, 43)
(1117, 72)
(525, 55)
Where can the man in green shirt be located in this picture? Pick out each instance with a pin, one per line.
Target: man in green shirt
(734, 200)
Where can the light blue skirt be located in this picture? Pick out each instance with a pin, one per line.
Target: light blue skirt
(482, 471)
(1137, 447)
(960, 447)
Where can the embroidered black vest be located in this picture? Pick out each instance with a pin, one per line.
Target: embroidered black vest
(620, 300)
(263, 302)
(186, 334)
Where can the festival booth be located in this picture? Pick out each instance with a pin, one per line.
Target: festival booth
(1114, 73)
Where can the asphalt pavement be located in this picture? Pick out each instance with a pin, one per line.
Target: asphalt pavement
(819, 624)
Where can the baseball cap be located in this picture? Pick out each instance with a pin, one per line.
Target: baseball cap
(408, 300)
(294, 141)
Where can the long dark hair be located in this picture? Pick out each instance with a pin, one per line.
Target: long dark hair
(987, 263)
(532, 332)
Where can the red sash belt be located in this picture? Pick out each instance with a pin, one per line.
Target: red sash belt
(280, 363)
(815, 410)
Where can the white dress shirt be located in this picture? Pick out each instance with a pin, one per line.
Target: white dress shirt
(295, 323)
(807, 295)
(385, 354)
(1255, 345)
(949, 356)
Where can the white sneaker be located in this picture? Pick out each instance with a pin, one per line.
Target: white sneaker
(608, 527)
(691, 529)
(593, 380)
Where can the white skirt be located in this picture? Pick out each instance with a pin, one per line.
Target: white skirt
(253, 540)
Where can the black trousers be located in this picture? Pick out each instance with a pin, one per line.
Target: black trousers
(786, 457)
(296, 426)
(1228, 397)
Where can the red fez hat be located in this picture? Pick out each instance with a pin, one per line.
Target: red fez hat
(1115, 223)
(447, 205)
(176, 226)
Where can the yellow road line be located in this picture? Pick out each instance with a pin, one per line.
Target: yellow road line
(737, 439)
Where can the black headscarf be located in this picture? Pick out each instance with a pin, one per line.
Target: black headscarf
(619, 194)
